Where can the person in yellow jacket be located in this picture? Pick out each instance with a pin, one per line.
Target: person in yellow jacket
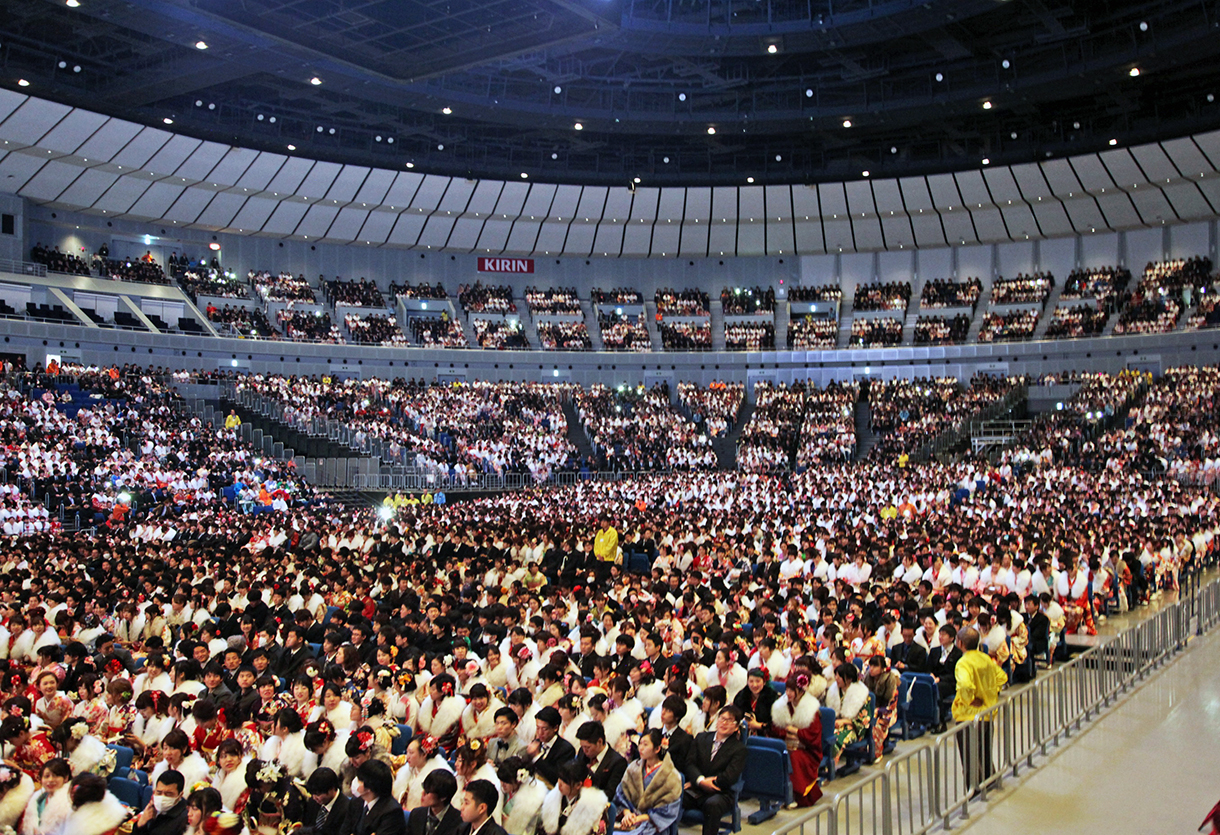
(232, 421)
(979, 681)
(605, 546)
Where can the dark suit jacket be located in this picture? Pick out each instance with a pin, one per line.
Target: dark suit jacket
(679, 747)
(1039, 630)
(291, 661)
(944, 665)
(914, 656)
(548, 767)
(489, 828)
(610, 773)
(451, 822)
(336, 820)
(172, 822)
(385, 818)
(726, 769)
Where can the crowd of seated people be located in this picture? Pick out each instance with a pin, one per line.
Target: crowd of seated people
(1075, 321)
(143, 269)
(624, 332)
(418, 291)
(945, 292)
(810, 334)
(202, 281)
(875, 333)
(828, 428)
(941, 330)
(374, 329)
(1207, 314)
(908, 414)
(634, 429)
(749, 336)
(1165, 289)
(1101, 283)
(362, 293)
(1149, 314)
(686, 336)
(564, 336)
(243, 321)
(819, 293)
(561, 301)
(59, 262)
(440, 332)
(482, 298)
(689, 302)
(1009, 327)
(616, 295)
(303, 326)
(1032, 288)
(744, 301)
(281, 287)
(1176, 429)
(882, 295)
(495, 335)
(715, 407)
(768, 441)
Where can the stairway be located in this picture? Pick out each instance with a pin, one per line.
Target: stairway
(1108, 330)
(865, 439)
(576, 433)
(1048, 311)
(980, 313)
(845, 319)
(726, 447)
(783, 313)
(912, 312)
(299, 442)
(80, 399)
(527, 325)
(356, 499)
(595, 331)
(468, 329)
(717, 310)
(650, 322)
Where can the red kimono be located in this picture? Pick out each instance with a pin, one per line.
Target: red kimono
(32, 756)
(804, 749)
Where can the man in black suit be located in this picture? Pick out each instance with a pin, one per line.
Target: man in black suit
(436, 814)
(606, 766)
(1039, 626)
(942, 664)
(588, 653)
(296, 652)
(327, 810)
(165, 814)
(716, 763)
(549, 750)
(678, 743)
(479, 799)
(107, 650)
(908, 656)
(377, 813)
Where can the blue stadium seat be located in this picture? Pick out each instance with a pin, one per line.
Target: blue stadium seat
(138, 776)
(146, 795)
(330, 610)
(694, 816)
(639, 564)
(127, 791)
(768, 776)
(918, 704)
(399, 746)
(827, 717)
(864, 751)
(122, 759)
(780, 686)
(316, 649)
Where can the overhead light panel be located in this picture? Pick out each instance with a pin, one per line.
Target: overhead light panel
(1134, 72)
(578, 126)
(21, 82)
(168, 120)
(315, 81)
(987, 105)
(201, 45)
(847, 123)
(711, 131)
(446, 110)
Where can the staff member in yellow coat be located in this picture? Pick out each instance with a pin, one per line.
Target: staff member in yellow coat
(979, 681)
(605, 547)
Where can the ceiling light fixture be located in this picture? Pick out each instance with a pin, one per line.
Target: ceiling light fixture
(1113, 141)
(1134, 72)
(772, 49)
(409, 165)
(863, 173)
(940, 76)
(681, 96)
(749, 179)
(168, 120)
(986, 162)
(1006, 64)
(578, 126)
(808, 92)
(73, 4)
(446, 110)
(201, 45)
(524, 176)
(558, 89)
(847, 123)
(665, 160)
(292, 147)
(986, 105)
(315, 81)
(21, 82)
(711, 131)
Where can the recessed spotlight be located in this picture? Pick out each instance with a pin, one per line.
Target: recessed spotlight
(893, 149)
(986, 105)
(524, 176)
(292, 147)
(779, 158)
(315, 81)
(168, 120)
(72, 4)
(808, 92)
(260, 117)
(558, 89)
(446, 110)
(1013, 135)
(63, 65)
(1211, 97)
(331, 131)
(711, 131)
(847, 123)
(201, 45)
(377, 138)
(440, 146)
(940, 76)
(665, 160)
(389, 140)
(863, 173)
(1075, 125)
(772, 49)
(578, 126)
(635, 180)
(681, 96)
(409, 165)
(986, 162)
(1134, 72)
(1143, 26)
(1006, 64)
(554, 155)
(1113, 141)
(21, 82)
(211, 105)
(320, 129)
(271, 120)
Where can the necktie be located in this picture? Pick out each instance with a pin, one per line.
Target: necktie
(321, 819)
(433, 822)
(716, 743)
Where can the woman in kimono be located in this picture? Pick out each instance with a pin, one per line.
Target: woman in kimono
(521, 796)
(853, 718)
(796, 719)
(649, 798)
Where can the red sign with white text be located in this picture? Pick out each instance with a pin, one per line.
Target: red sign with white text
(506, 265)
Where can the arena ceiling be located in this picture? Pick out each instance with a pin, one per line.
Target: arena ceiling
(672, 92)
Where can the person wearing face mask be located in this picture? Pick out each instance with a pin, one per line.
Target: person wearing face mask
(166, 813)
(377, 810)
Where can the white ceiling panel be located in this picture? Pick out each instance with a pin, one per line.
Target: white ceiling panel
(538, 201)
(316, 222)
(1001, 184)
(751, 239)
(808, 233)
(644, 206)
(319, 179)
(680, 203)
(1152, 206)
(222, 210)
(1123, 169)
(915, 193)
(1052, 218)
(29, 122)
(989, 224)
(1209, 143)
(523, 236)
(1031, 181)
(10, 100)
(494, 236)
(376, 187)
(671, 238)
(349, 181)
(888, 198)
(262, 171)
(833, 200)
(199, 164)
(750, 202)
(231, 168)
(972, 188)
(580, 239)
(155, 202)
(722, 238)
(805, 202)
(512, 200)
(1154, 163)
(254, 213)
(188, 206)
(609, 239)
(172, 154)
(618, 204)
(405, 187)
(122, 195)
(1084, 214)
(436, 231)
(898, 232)
(944, 191)
(1118, 211)
(860, 198)
(377, 226)
(73, 131)
(50, 182)
(779, 203)
(551, 236)
(780, 239)
(289, 177)
(108, 140)
(838, 235)
(430, 192)
(867, 233)
(406, 231)
(465, 233)
(1188, 201)
(457, 196)
(958, 227)
(1187, 157)
(724, 203)
(483, 201)
(928, 231)
(285, 218)
(592, 202)
(1020, 220)
(1094, 176)
(567, 198)
(1061, 177)
(637, 239)
(143, 147)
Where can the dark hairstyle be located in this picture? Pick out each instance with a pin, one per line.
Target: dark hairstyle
(207, 800)
(172, 777)
(376, 777)
(290, 719)
(229, 746)
(717, 694)
(508, 770)
(848, 672)
(509, 714)
(520, 697)
(441, 784)
(13, 727)
(91, 788)
(57, 766)
(572, 772)
(485, 793)
(591, 731)
(655, 737)
(675, 705)
(177, 739)
(322, 780)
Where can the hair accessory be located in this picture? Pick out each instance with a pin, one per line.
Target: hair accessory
(802, 680)
(324, 727)
(428, 745)
(523, 774)
(366, 740)
(16, 710)
(79, 730)
(271, 772)
(646, 667)
(474, 745)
